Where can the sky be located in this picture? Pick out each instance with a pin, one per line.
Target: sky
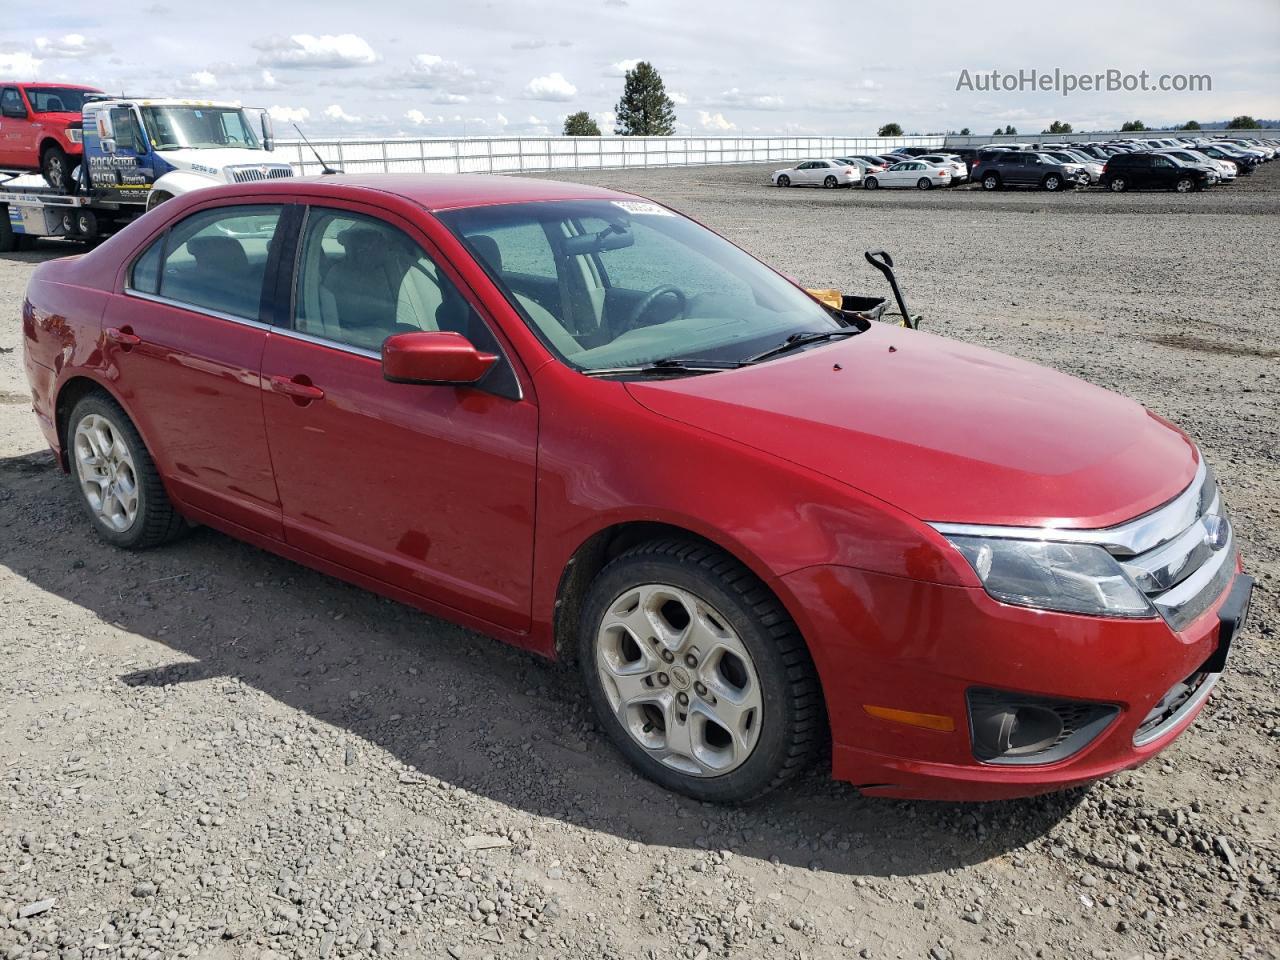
(383, 68)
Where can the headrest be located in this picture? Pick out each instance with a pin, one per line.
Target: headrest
(362, 245)
(218, 253)
(486, 248)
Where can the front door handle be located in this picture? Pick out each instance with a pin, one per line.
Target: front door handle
(123, 336)
(297, 387)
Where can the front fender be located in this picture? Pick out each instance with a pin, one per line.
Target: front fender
(177, 182)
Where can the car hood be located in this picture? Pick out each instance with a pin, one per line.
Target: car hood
(943, 430)
(59, 119)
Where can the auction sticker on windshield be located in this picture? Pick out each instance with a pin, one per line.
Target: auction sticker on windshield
(635, 207)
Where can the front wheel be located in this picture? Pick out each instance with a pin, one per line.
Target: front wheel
(1052, 182)
(56, 167)
(991, 182)
(784, 181)
(117, 480)
(697, 673)
(871, 183)
(1184, 185)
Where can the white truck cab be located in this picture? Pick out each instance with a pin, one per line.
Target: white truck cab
(146, 151)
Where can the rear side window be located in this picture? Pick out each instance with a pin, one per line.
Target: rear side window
(11, 103)
(214, 259)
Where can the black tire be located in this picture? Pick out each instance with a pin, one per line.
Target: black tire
(831, 183)
(871, 183)
(1052, 183)
(924, 183)
(156, 521)
(1118, 185)
(991, 182)
(1184, 185)
(784, 181)
(792, 716)
(56, 167)
(8, 239)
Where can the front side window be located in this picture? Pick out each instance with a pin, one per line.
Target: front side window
(634, 283)
(214, 259)
(178, 127)
(361, 280)
(124, 124)
(56, 99)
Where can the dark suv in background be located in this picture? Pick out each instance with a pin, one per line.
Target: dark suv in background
(1026, 168)
(1153, 171)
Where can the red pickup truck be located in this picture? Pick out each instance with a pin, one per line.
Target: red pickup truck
(40, 129)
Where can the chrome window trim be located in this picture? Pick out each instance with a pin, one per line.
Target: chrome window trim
(1130, 538)
(196, 308)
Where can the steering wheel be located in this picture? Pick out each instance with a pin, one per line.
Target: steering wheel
(649, 299)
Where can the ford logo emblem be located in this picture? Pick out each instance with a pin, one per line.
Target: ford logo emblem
(1216, 531)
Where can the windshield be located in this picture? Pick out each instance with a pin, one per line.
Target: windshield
(622, 283)
(171, 128)
(57, 99)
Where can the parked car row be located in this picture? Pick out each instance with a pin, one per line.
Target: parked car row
(1183, 164)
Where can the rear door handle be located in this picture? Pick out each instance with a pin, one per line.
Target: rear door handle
(123, 336)
(291, 387)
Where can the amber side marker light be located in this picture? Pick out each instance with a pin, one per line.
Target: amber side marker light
(930, 721)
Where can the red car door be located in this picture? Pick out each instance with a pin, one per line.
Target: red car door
(186, 339)
(427, 488)
(15, 125)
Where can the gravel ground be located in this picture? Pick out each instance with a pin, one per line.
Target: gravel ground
(209, 751)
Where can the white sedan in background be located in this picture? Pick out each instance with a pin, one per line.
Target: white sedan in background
(910, 173)
(818, 173)
(959, 170)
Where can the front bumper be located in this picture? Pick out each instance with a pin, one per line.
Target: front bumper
(915, 646)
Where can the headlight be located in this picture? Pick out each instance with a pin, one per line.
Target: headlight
(75, 134)
(1069, 577)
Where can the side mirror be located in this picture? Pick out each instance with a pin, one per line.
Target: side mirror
(268, 132)
(432, 357)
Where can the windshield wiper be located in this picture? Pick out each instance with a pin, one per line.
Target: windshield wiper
(670, 365)
(798, 340)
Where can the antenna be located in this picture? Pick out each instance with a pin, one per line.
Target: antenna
(324, 167)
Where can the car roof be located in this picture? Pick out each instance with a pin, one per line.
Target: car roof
(47, 83)
(437, 191)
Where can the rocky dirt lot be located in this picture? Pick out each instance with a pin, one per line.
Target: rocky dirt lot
(209, 751)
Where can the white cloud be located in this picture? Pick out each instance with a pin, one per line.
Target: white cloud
(553, 87)
(269, 80)
(620, 68)
(19, 65)
(418, 118)
(289, 114)
(307, 50)
(605, 120)
(679, 99)
(200, 80)
(70, 46)
(715, 122)
(336, 113)
(751, 101)
(540, 44)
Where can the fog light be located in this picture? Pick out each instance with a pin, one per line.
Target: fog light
(1014, 728)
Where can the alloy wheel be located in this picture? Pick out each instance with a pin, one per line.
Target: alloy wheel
(679, 680)
(106, 471)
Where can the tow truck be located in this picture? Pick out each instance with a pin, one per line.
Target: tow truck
(137, 154)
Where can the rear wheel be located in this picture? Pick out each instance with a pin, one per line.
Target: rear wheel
(1184, 185)
(830, 183)
(784, 181)
(116, 478)
(1052, 182)
(871, 183)
(990, 182)
(698, 674)
(56, 167)
(924, 183)
(1118, 185)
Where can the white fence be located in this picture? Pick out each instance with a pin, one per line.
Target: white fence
(541, 154)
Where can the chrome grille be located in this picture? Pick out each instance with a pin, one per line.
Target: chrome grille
(1188, 554)
(260, 172)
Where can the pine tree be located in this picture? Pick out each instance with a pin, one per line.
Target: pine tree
(645, 110)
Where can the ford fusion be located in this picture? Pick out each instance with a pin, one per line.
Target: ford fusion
(575, 420)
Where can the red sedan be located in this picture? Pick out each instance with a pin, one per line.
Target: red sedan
(580, 422)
